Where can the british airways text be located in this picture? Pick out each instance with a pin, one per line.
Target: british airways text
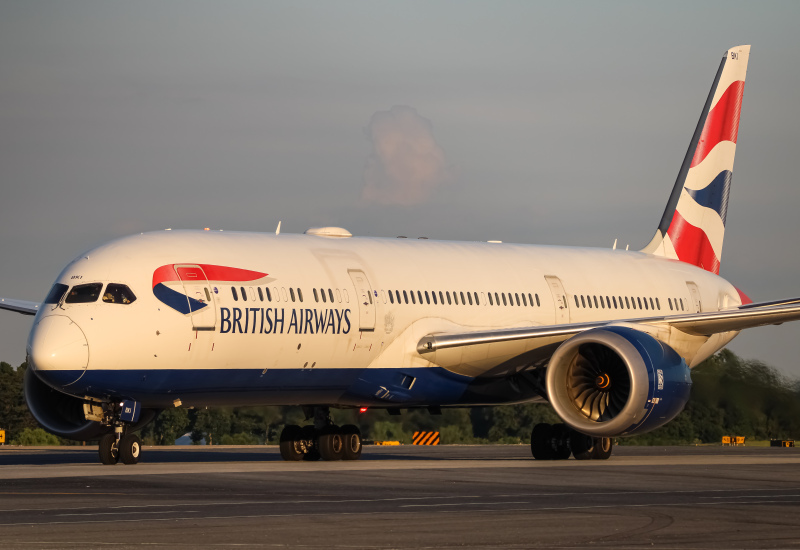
(259, 320)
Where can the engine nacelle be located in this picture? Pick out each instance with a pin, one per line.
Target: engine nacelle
(616, 381)
(63, 415)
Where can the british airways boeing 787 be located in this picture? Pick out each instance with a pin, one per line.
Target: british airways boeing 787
(326, 319)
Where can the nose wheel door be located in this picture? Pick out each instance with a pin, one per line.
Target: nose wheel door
(200, 296)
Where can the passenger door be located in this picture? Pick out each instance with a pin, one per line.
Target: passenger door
(695, 294)
(366, 304)
(200, 296)
(559, 299)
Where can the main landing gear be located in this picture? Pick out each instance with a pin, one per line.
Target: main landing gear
(558, 441)
(322, 440)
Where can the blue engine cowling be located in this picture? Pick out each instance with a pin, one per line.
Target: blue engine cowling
(617, 381)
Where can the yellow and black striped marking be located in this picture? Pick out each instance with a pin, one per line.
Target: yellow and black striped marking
(426, 438)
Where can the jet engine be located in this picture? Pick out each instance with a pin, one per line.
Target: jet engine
(63, 415)
(617, 381)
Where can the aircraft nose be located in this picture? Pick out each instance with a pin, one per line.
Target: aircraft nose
(58, 350)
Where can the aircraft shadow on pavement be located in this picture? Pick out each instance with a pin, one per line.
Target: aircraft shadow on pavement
(156, 455)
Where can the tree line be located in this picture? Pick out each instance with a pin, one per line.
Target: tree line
(730, 396)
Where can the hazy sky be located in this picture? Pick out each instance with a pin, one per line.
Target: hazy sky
(554, 123)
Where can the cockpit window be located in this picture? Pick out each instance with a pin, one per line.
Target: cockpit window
(83, 294)
(119, 294)
(56, 293)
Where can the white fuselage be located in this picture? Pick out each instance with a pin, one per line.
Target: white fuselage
(273, 348)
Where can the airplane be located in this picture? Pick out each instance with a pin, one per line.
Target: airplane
(325, 319)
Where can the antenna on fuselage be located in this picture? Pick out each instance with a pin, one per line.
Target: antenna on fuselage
(615, 245)
(278, 230)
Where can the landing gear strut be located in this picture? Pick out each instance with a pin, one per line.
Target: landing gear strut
(323, 439)
(119, 445)
(558, 441)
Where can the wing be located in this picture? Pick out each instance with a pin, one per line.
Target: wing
(487, 352)
(20, 306)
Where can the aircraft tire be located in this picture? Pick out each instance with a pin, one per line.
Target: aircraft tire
(561, 442)
(107, 450)
(602, 448)
(582, 446)
(130, 449)
(351, 439)
(331, 444)
(541, 447)
(290, 443)
(310, 442)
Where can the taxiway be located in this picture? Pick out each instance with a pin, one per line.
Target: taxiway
(401, 497)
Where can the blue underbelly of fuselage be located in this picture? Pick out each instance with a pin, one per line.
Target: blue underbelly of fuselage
(416, 387)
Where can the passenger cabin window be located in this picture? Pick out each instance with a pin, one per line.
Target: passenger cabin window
(56, 293)
(235, 296)
(84, 294)
(316, 296)
(291, 293)
(244, 294)
(121, 294)
(269, 294)
(260, 294)
(300, 294)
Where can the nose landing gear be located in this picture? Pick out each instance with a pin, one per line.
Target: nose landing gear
(119, 445)
(323, 440)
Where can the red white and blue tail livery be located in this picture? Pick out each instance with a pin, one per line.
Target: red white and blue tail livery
(693, 226)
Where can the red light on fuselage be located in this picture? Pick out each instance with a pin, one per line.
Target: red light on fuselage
(362, 410)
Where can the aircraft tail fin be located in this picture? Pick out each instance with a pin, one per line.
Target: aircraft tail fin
(693, 225)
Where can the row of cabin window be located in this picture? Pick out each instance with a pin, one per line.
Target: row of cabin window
(586, 301)
(291, 295)
(471, 298)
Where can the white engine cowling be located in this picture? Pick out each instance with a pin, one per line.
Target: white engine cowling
(617, 381)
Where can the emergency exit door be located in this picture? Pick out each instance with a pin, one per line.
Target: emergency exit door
(366, 304)
(199, 295)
